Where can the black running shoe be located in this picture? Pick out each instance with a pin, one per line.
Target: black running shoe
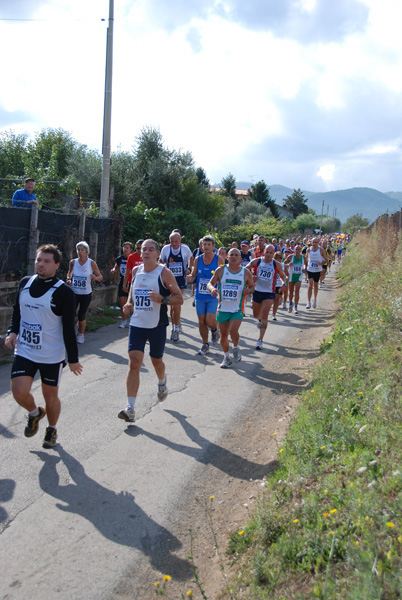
(33, 423)
(50, 439)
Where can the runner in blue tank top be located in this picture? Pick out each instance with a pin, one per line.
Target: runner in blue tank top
(206, 305)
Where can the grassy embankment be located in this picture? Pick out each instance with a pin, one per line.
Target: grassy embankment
(329, 524)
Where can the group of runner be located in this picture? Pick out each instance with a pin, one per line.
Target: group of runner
(45, 321)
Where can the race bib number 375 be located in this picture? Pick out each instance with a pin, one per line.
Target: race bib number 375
(142, 300)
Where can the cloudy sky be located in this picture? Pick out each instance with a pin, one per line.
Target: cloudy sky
(303, 93)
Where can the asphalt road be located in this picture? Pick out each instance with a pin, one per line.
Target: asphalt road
(79, 519)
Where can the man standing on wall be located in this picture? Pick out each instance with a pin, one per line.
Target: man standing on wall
(25, 198)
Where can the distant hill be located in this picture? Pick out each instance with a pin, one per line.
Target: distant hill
(395, 195)
(343, 203)
(367, 201)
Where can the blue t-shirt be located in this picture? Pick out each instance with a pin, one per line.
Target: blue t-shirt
(21, 197)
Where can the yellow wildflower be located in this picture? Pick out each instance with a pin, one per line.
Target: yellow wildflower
(189, 593)
(281, 450)
(326, 515)
(390, 525)
(166, 578)
(333, 511)
(157, 583)
(211, 497)
(241, 532)
(331, 533)
(322, 447)
(295, 520)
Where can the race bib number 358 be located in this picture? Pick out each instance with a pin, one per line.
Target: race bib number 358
(79, 282)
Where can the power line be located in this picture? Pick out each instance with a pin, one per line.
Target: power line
(52, 20)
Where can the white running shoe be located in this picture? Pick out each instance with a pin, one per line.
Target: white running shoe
(315, 303)
(162, 392)
(258, 345)
(128, 414)
(204, 349)
(290, 307)
(274, 317)
(80, 338)
(175, 336)
(226, 362)
(320, 286)
(296, 311)
(308, 305)
(123, 325)
(236, 355)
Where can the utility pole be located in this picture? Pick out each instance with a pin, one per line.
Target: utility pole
(322, 214)
(107, 118)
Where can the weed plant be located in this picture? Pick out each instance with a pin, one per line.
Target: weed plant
(329, 524)
(100, 317)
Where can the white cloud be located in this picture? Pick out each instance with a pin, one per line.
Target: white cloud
(273, 89)
(308, 5)
(326, 172)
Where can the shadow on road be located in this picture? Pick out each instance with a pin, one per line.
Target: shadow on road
(7, 487)
(208, 452)
(114, 514)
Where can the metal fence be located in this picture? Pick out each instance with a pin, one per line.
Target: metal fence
(64, 230)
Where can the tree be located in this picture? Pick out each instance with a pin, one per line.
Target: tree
(296, 203)
(202, 177)
(260, 193)
(50, 150)
(306, 221)
(12, 151)
(159, 172)
(250, 211)
(331, 224)
(355, 223)
(228, 183)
